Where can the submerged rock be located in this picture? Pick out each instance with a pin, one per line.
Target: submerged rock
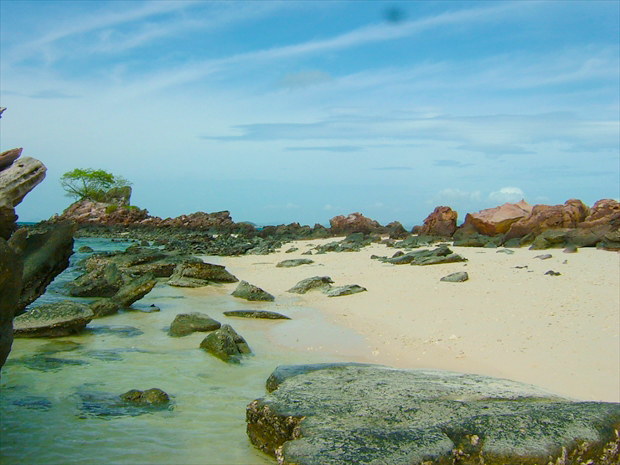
(308, 284)
(257, 314)
(150, 396)
(53, 320)
(367, 414)
(250, 292)
(188, 323)
(226, 344)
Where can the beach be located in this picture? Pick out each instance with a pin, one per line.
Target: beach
(509, 320)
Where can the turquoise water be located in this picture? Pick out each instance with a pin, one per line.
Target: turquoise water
(56, 402)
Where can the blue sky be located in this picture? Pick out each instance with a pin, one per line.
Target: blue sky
(303, 110)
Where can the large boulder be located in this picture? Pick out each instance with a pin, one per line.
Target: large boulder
(188, 323)
(498, 220)
(544, 217)
(53, 320)
(226, 344)
(441, 222)
(11, 270)
(250, 292)
(368, 414)
(354, 222)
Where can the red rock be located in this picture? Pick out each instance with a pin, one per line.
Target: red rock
(498, 220)
(602, 212)
(544, 217)
(442, 222)
(355, 222)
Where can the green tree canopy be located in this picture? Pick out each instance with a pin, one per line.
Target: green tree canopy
(90, 184)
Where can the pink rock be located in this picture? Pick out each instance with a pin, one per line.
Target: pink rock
(544, 217)
(355, 222)
(442, 222)
(498, 220)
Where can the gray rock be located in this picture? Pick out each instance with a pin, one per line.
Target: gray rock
(187, 323)
(344, 290)
(294, 262)
(571, 249)
(316, 282)
(365, 414)
(18, 179)
(291, 250)
(546, 256)
(439, 255)
(256, 314)
(506, 251)
(53, 320)
(458, 277)
(226, 344)
(250, 292)
(150, 396)
(135, 290)
(101, 282)
(104, 307)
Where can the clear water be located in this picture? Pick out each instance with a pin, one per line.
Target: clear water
(56, 394)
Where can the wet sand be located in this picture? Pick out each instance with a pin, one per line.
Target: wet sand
(557, 332)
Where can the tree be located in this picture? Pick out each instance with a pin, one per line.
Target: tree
(90, 184)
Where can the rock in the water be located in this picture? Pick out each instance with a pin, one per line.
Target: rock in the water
(101, 282)
(226, 344)
(135, 290)
(250, 292)
(104, 307)
(365, 414)
(199, 274)
(498, 220)
(458, 277)
(150, 396)
(338, 291)
(316, 282)
(257, 314)
(53, 320)
(441, 222)
(294, 262)
(187, 323)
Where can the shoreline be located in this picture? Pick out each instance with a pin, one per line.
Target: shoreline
(557, 332)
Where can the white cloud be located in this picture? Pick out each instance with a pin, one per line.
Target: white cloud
(507, 194)
(304, 79)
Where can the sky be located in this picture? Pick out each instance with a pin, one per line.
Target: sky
(304, 110)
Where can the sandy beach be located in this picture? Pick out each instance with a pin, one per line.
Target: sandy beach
(557, 332)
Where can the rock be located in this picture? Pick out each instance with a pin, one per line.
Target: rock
(473, 240)
(544, 217)
(343, 290)
(150, 396)
(498, 220)
(18, 179)
(256, 314)
(198, 274)
(85, 249)
(396, 230)
(250, 292)
(546, 256)
(104, 307)
(8, 157)
(291, 250)
(441, 222)
(11, 271)
(45, 256)
(53, 320)
(571, 249)
(354, 222)
(294, 262)
(187, 323)
(349, 413)
(458, 277)
(506, 251)
(226, 344)
(316, 282)
(135, 290)
(441, 254)
(101, 282)
(604, 211)
(553, 273)
(307, 252)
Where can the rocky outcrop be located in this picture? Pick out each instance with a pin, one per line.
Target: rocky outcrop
(498, 220)
(135, 290)
(441, 222)
(100, 282)
(351, 413)
(86, 212)
(354, 222)
(226, 345)
(11, 270)
(441, 254)
(53, 320)
(544, 217)
(250, 292)
(188, 323)
(260, 314)
(198, 274)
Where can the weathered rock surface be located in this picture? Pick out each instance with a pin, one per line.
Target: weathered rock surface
(458, 277)
(104, 307)
(368, 414)
(197, 274)
(544, 217)
(188, 323)
(101, 282)
(135, 290)
(53, 320)
(261, 314)
(354, 222)
(441, 254)
(18, 179)
(11, 270)
(441, 222)
(308, 284)
(498, 220)
(150, 396)
(347, 289)
(250, 292)
(8, 157)
(294, 262)
(226, 345)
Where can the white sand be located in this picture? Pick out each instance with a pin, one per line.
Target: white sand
(557, 332)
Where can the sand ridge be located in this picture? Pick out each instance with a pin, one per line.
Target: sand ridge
(558, 332)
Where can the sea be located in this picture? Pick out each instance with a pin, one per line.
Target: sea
(59, 396)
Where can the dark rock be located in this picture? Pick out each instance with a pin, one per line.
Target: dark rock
(506, 251)
(294, 262)
(291, 250)
(45, 363)
(150, 396)
(85, 249)
(458, 277)
(187, 323)
(53, 320)
(553, 273)
(307, 252)
(316, 282)
(101, 282)
(348, 413)
(197, 274)
(250, 292)
(132, 403)
(226, 344)
(343, 290)
(135, 290)
(11, 271)
(441, 222)
(396, 230)
(256, 314)
(439, 255)
(104, 307)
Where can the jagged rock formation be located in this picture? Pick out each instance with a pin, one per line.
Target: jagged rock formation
(353, 223)
(498, 220)
(442, 223)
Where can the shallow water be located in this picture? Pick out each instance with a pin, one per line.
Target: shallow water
(57, 403)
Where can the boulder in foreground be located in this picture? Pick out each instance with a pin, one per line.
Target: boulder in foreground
(367, 414)
(226, 344)
(53, 320)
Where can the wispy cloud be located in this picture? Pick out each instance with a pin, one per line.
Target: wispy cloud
(304, 79)
(451, 164)
(332, 148)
